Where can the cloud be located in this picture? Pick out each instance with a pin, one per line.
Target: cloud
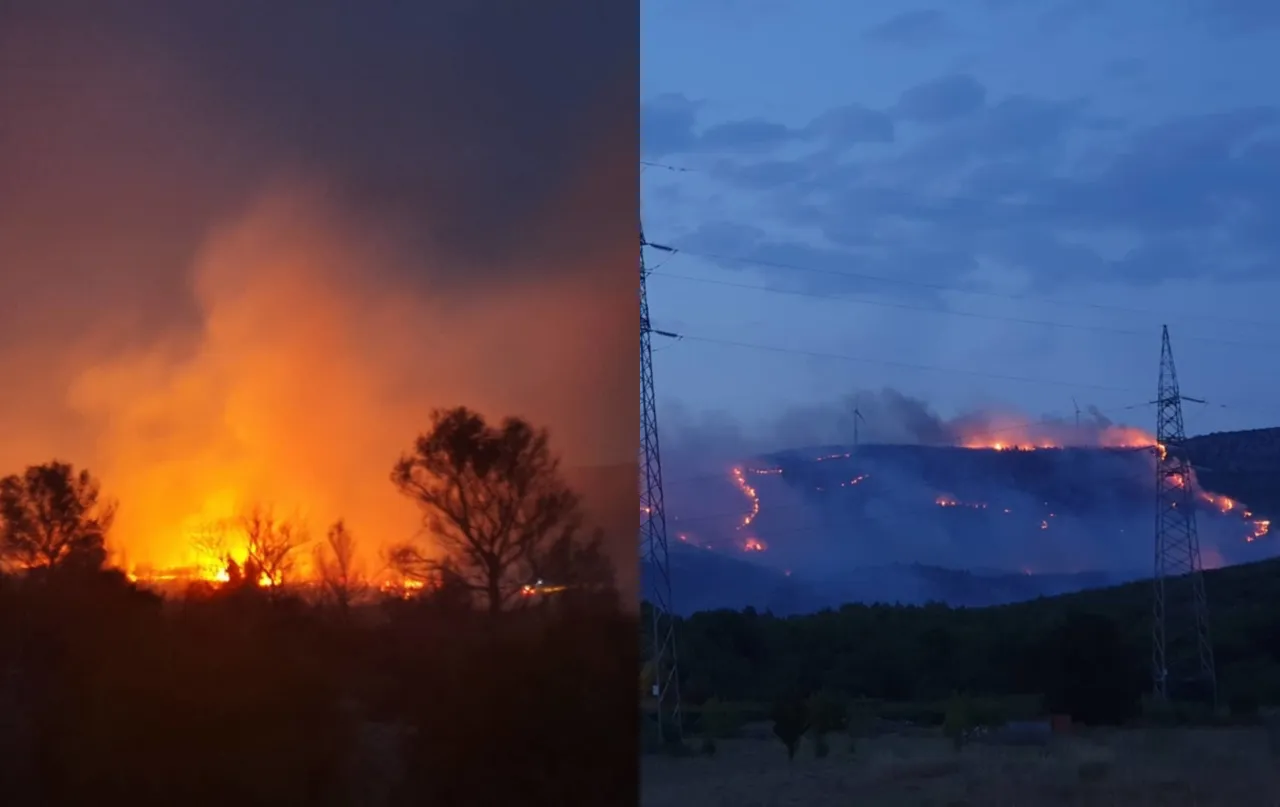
(372, 101)
(669, 125)
(942, 100)
(246, 261)
(910, 28)
(1050, 189)
(745, 136)
(1180, 198)
(852, 123)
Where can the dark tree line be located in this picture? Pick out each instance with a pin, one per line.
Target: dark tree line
(1086, 654)
(252, 694)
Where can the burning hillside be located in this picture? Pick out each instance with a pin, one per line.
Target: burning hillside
(1006, 496)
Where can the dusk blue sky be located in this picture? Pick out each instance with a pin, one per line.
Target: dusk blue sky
(903, 179)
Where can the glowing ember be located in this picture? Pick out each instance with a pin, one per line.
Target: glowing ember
(741, 481)
(404, 589)
(1015, 434)
(1222, 503)
(1260, 528)
(946, 500)
(540, 588)
(754, 545)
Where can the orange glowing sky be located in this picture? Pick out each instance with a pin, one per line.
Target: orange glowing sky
(209, 302)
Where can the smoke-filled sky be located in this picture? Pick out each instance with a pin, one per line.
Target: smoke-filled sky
(988, 201)
(247, 247)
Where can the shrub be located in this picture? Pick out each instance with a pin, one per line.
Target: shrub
(720, 720)
(790, 722)
(828, 712)
(958, 720)
(820, 747)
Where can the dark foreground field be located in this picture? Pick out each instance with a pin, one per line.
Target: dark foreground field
(1128, 767)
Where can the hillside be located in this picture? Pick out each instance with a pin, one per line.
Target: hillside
(1243, 464)
(703, 580)
(968, 527)
(910, 653)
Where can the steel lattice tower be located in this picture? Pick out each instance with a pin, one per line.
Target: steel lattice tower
(1182, 654)
(653, 530)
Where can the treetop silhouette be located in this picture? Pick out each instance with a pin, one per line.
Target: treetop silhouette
(53, 516)
(494, 502)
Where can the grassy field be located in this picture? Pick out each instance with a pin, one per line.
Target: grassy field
(1132, 768)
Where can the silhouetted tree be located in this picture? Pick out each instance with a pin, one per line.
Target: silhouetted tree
(272, 545)
(209, 540)
(53, 516)
(492, 499)
(790, 722)
(577, 564)
(341, 579)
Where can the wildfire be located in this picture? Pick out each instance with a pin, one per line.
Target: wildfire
(740, 480)
(754, 545)
(856, 480)
(541, 588)
(404, 589)
(946, 500)
(1224, 504)
(1028, 436)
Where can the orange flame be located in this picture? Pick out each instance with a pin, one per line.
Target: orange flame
(1016, 434)
(741, 481)
(947, 500)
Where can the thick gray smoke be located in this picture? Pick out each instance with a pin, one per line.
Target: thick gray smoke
(699, 442)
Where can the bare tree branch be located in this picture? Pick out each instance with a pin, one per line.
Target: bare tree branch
(272, 545)
(493, 502)
(342, 580)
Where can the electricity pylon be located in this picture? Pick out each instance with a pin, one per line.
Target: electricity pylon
(653, 529)
(1181, 650)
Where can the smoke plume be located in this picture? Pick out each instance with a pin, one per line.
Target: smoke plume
(229, 277)
(795, 495)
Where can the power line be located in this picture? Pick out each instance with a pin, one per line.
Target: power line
(948, 312)
(676, 168)
(973, 292)
(1250, 407)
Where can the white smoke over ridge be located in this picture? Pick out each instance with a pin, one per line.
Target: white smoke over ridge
(1038, 513)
